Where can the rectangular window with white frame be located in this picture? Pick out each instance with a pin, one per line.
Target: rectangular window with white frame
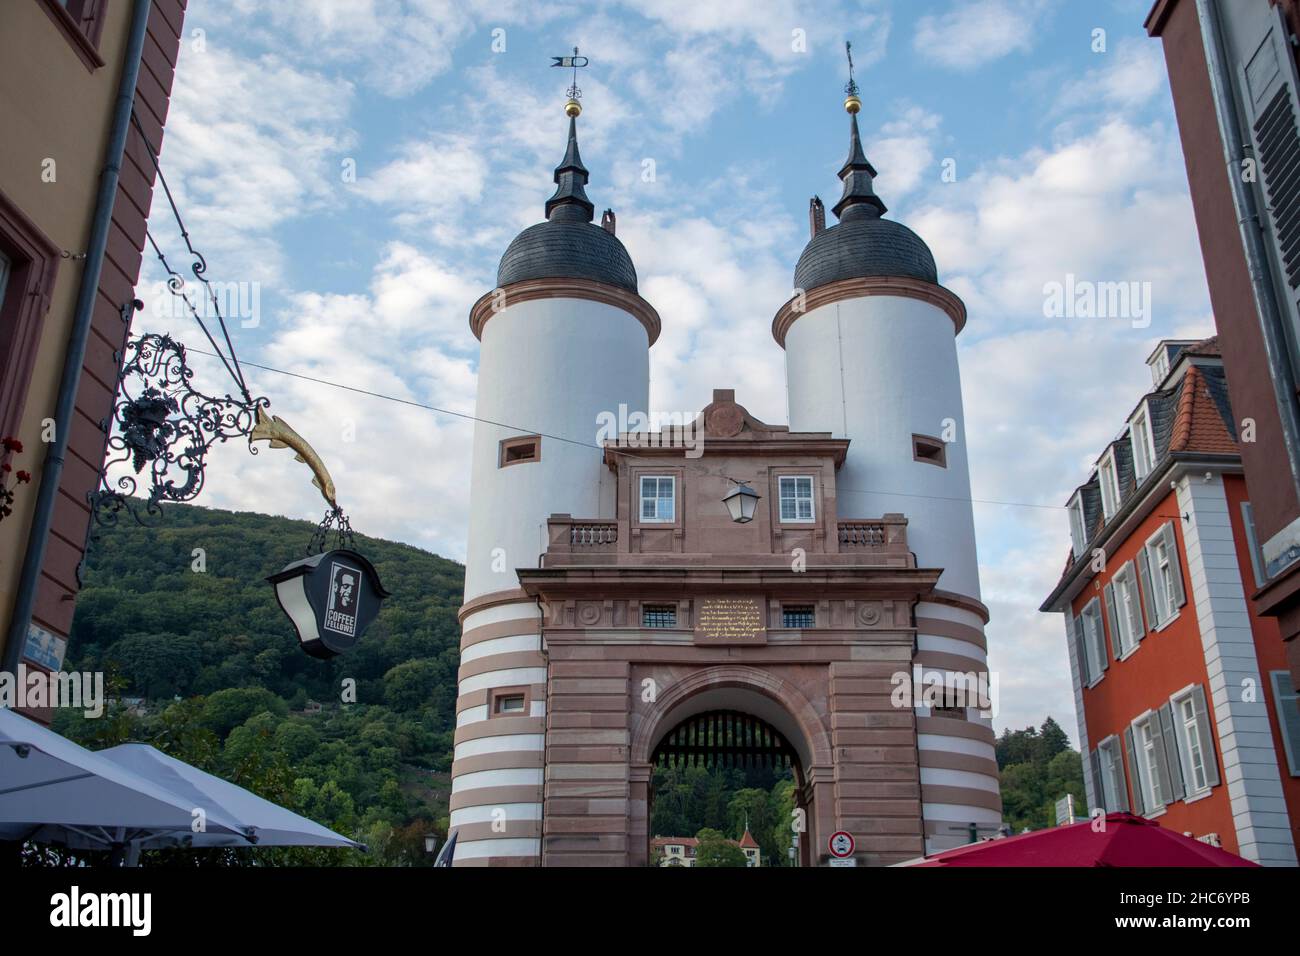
(658, 498)
(1161, 577)
(1193, 750)
(1144, 453)
(1124, 609)
(1108, 476)
(796, 492)
(1094, 641)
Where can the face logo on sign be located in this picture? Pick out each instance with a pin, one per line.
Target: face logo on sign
(341, 612)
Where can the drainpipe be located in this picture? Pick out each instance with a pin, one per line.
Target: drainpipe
(52, 472)
(1261, 273)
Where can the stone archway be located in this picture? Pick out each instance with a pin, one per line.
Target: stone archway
(766, 696)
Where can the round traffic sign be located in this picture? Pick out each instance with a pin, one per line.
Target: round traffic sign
(841, 844)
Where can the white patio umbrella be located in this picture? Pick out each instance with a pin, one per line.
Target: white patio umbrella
(55, 791)
(261, 822)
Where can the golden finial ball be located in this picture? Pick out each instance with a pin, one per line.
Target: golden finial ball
(852, 104)
(572, 108)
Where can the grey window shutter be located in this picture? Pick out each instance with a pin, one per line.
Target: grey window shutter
(1270, 95)
(1173, 753)
(1098, 791)
(1084, 676)
(1096, 635)
(1175, 566)
(1144, 585)
(1162, 759)
(1287, 705)
(1135, 603)
(1121, 783)
(1139, 796)
(1116, 649)
(1207, 737)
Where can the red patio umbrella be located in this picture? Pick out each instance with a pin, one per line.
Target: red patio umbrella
(1125, 840)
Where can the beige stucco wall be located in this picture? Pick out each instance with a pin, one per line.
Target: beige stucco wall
(51, 106)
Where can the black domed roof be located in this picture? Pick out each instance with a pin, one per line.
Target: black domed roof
(567, 248)
(864, 247)
(567, 245)
(863, 244)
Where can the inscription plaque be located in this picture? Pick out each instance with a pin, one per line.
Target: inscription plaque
(724, 620)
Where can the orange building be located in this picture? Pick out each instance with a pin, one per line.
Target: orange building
(1187, 711)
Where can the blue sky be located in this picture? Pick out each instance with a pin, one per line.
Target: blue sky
(1067, 162)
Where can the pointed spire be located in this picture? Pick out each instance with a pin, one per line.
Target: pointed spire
(859, 199)
(570, 199)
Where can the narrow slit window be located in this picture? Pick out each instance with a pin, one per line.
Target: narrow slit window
(515, 451)
(930, 450)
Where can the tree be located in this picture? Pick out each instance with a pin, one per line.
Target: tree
(157, 665)
(715, 850)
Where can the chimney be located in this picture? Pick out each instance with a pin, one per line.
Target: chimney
(607, 221)
(816, 216)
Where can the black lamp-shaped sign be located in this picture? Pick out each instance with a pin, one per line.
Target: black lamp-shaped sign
(331, 598)
(741, 502)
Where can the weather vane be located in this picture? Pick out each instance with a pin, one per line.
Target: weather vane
(572, 107)
(851, 103)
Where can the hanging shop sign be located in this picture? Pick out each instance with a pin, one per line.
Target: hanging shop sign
(331, 598)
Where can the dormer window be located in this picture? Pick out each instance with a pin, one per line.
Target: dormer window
(1144, 452)
(1078, 537)
(1108, 476)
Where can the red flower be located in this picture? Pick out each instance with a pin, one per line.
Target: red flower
(13, 444)
(6, 468)
(24, 476)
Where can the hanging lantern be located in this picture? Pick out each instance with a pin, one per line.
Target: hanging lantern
(331, 598)
(741, 502)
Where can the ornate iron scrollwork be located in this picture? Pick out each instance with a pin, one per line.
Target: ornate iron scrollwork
(163, 425)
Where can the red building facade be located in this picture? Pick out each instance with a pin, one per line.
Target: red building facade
(1186, 708)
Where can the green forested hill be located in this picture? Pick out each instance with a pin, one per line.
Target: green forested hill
(179, 613)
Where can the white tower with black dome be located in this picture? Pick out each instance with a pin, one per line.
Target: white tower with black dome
(565, 337)
(871, 355)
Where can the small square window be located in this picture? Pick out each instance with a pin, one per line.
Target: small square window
(659, 615)
(658, 498)
(515, 451)
(798, 615)
(514, 704)
(930, 450)
(796, 498)
(508, 702)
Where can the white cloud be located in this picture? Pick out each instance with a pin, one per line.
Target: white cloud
(1127, 78)
(250, 144)
(974, 32)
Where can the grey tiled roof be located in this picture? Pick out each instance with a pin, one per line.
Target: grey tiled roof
(864, 247)
(562, 248)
